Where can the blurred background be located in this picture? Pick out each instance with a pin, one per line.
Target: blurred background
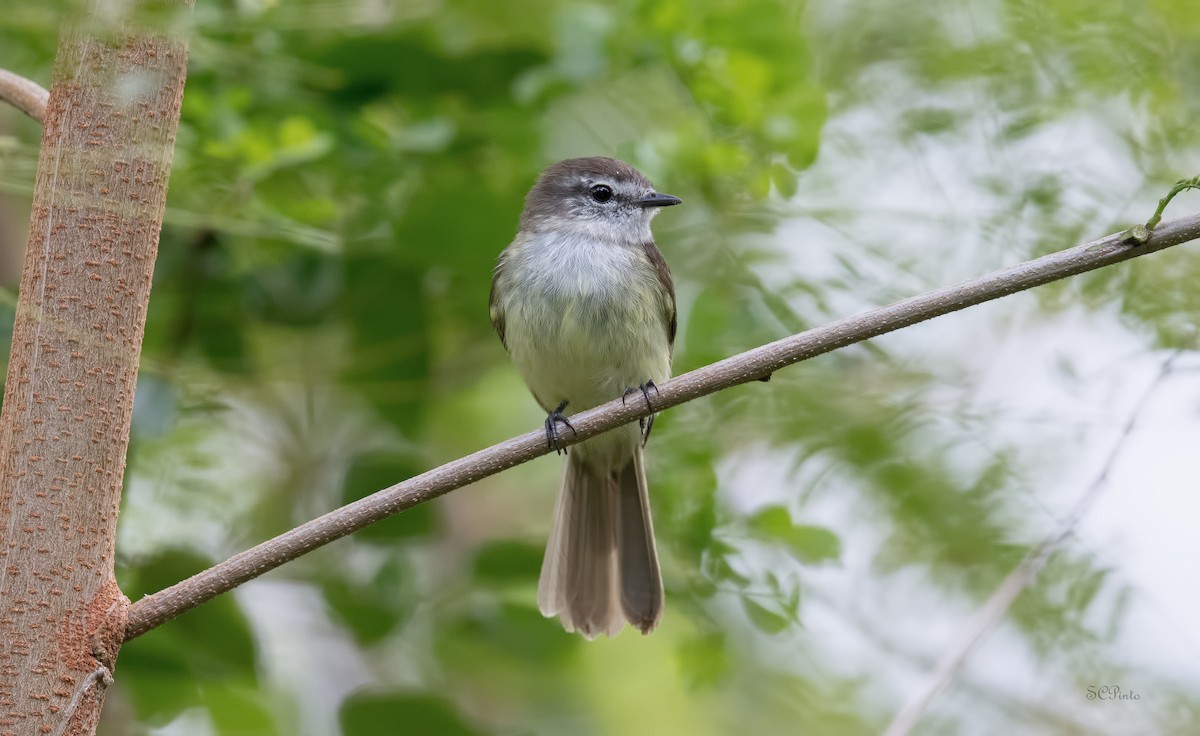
(345, 175)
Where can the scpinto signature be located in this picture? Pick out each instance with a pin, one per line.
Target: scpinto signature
(1110, 692)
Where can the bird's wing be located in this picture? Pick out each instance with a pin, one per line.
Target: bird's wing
(494, 307)
(655, 256)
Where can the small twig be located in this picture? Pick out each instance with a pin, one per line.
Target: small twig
(751, 365)
(1019, 579)
(101, 676)
(24, 94)
(1180, 186)
(999, 697)
(1139, 234)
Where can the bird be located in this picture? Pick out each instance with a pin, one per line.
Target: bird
(584, 304)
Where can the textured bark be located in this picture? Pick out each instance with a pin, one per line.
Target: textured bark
(98, 204)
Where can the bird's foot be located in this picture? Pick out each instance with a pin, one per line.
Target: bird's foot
(552, 421)
(645, 388)
(645, 423)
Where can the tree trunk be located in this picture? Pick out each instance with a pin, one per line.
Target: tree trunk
(64, 428)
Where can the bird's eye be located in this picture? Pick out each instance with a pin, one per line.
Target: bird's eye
(602, 193)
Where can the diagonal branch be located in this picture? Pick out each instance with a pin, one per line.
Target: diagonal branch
(751, 365)
(23, 94)
(1022, 577)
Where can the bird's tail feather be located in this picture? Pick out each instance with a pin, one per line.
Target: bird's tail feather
(641, 581)
(601, 566)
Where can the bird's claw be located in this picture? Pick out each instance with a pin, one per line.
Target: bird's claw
(552, 420)
(645, 388)
(645, 423)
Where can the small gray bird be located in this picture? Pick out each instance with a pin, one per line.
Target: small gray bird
(583, 302)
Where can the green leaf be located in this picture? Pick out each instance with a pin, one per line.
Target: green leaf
(522, 631)
(810, 544)
(371, 714)
(507, 637)
(763, 618)
(717, 565)
(386, 312)
(508, 561)
(297, 292)
(784, 180)
(373, 609)
(239, 710)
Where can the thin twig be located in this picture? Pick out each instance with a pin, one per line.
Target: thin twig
(1019, 579)
(752, 365)
(1180, 186)
(23, 94)
(101, 677)
(1055, 720)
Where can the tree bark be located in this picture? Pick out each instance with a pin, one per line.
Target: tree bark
(64, 428)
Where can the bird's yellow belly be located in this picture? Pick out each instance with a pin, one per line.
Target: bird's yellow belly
(588, 353)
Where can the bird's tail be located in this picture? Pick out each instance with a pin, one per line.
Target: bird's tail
(601, 567)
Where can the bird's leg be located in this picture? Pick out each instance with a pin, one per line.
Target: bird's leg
(645, 388)
(646, 423)
(552, 420)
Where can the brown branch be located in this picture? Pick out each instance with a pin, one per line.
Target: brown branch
(23, 94)
(755, 364)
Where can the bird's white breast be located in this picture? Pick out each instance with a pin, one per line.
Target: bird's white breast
(584, 321)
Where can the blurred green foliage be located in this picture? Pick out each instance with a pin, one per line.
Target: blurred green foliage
(345, 175)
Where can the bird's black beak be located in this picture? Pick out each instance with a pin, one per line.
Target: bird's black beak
(658, 200)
